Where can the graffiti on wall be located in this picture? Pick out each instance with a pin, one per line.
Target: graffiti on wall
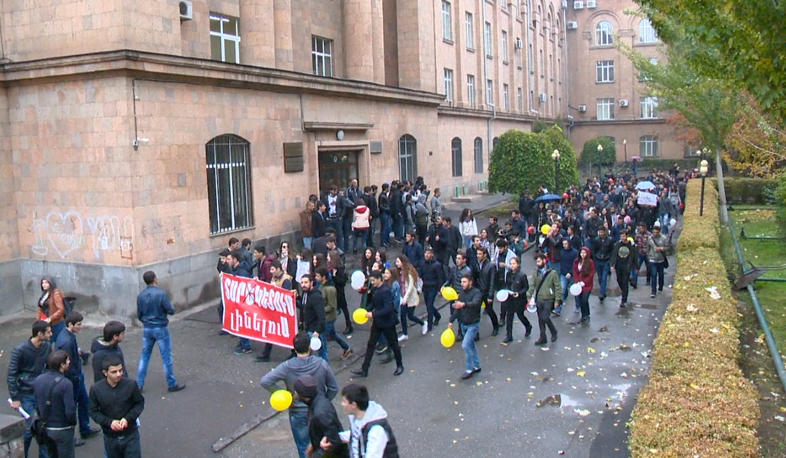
(63, 233)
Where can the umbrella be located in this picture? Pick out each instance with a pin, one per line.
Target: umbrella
(635, 158)
(548, 198)
(645, 185)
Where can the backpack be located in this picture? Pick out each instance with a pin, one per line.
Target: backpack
(38, 422)
(68, 305)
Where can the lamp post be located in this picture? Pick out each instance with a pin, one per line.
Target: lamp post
(600, 150)
(703, 167)
(555, 156)
(625, 146)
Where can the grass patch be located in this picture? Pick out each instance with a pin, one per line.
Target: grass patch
(502, 209)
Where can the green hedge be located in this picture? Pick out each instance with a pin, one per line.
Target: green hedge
(748, 190)
(697, 401)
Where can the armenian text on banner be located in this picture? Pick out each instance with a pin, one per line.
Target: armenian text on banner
(259, 311)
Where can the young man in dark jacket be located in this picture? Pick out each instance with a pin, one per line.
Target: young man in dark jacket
(438, 239)
(54, 403)
(115, 403)
(28, 361)
(433, 276)
(413, 251)
(313, 312)
(385, 219)
(484, 271)
(383, 317)
(455, 239)
(106, 345)
(568, 255)
(623, 260)
(239, 269)
(468, 304)
(323, 423)
(602, 248)
(517, 284)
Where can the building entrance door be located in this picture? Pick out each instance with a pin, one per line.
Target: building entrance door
(337, 168)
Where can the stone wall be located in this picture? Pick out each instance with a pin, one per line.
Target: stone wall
(11, 430)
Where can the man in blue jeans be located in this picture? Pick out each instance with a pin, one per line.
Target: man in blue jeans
(468, 304)
(289, 371)
(152, 308)
(28, 361)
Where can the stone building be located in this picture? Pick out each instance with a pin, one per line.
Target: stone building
(142, 135)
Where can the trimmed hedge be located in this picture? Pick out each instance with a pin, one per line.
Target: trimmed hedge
(697, 401)
(748, 190)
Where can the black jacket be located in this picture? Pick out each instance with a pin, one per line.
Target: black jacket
(384, 204)
(470, 313)
(414, 253)
(526, 206)
(313, 312)
(455, 239)
(317, 224)
(440, 246)
(101, 350)
(323, 422)
(433, 274)
(591, 227)
(602, 248)
(62, 409)
(108, 404)
(625, 256)
(66, 341)
(26, 363)
(484, 279)
(382, 309)
(516, 282)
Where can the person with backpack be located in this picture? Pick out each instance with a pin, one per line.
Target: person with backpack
(55, 407)
(369, 434)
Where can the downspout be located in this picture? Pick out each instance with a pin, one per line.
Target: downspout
(485, 82)
(530, 59)
(567, 68)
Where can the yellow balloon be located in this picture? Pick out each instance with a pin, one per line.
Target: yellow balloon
(545, 229)
(447, 338)
(449, 293)
(630, 239)
(281, 400)
(359, 316)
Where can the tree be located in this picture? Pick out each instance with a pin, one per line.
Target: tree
(736, 39)
(590, 154)
(754, 147)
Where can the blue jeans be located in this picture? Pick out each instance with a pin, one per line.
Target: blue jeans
(566, 283)
(634, 275)
(330, 332)
(151, 336)
(468, 345)
(298, 422)
(664, 223)
(386, 223)
(336, 225)
(307, 241)
(243, 343)
(28, 403)
(322, 352)
(56, 330)
(362, 236)
(346, 228)
(602, 268)
(656, 273)
(81, 399)
(398, 226)
(467, 243)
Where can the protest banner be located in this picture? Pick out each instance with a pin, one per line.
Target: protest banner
(258, 310)
(646, 198)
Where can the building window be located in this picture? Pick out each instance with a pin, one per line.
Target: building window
(478, 155)
(604, 71)
(224, 38)
(504, 4)
(520, 99)
(446, 32)
(489, 92)
(541, 64)
(505, 104)
(448, 79)
(487, 39)
(407, 158)
(551, 67)
(648, 146)
(604, 34)
(471, 90)
(469, 31)
(649, 107)
(517, 51)
(605, 109)
(228, 183)
(495, 142)
(322, 56)
(504, 46)
(559, 70)
(647, 32)
(653, 61)
(455, 148)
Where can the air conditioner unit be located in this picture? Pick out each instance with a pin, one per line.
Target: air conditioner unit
(582, 108)
(542, 97)
(578, 5)
(186, 10)
(624, 102)
(573, 25)
(564, 4)
(592, 4)
(519, 43)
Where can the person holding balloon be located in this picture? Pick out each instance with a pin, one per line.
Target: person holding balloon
(467, 311)
(583, 276)
(513, 299)
(407, 280)
(288, 372)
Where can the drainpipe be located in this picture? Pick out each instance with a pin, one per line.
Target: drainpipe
(530, 59)
(485, 82)
(567, 75)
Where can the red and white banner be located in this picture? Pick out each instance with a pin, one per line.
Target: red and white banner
(258, 310)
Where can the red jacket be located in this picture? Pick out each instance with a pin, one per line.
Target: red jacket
(579, 277)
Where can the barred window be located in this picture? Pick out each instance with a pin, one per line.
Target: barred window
(478, 155)
(228, 183)
(455, 147)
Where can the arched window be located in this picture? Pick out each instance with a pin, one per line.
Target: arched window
(407, 158)
(647, 32)
(604, 34)
(455, 148)
(648, 146)
(478, 155)
(228, 183)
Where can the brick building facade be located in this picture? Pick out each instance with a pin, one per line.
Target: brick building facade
(140, 135)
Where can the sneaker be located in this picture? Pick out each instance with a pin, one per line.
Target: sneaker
(347, 353)
(555, 312)
(554, 337)
(381, 349)
(529, 332)
(403, 337)
(348, 331)
(602, 298)
(262, 359)
(476, 370)
(577, 310)
(541, 341)
(181, 386)
(242, 351)
(623, 304)
(652, 295)
(360, 373)
(436, 320)
(467, 375)
(425, 328)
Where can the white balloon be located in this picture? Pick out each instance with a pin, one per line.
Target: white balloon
(316, 343)
(531, 308)
(502, 295)
(357, 280)
(575, 289)
(672, 222)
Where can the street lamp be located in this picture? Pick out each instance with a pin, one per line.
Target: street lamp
(703, 168)
(600, 150)
(625, 145)
(555, 156)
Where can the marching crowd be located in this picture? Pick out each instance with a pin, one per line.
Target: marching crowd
(587, 232)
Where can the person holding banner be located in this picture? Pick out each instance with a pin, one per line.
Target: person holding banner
(283, 281)
(239, 269)
(314, 312)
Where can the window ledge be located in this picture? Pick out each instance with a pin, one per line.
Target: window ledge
(645, 45)
(604, 82)
(472, 50)
(448, 41)
(504, 62)
(489, 56)
(233, 231)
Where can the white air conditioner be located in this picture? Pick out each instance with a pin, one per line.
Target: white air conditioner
(519, 43)
(578, 5)
(573, 25)
(582, 108)
(186, 10)
(542, 97)
(592, 4)
(564, 4)
(624, 102)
